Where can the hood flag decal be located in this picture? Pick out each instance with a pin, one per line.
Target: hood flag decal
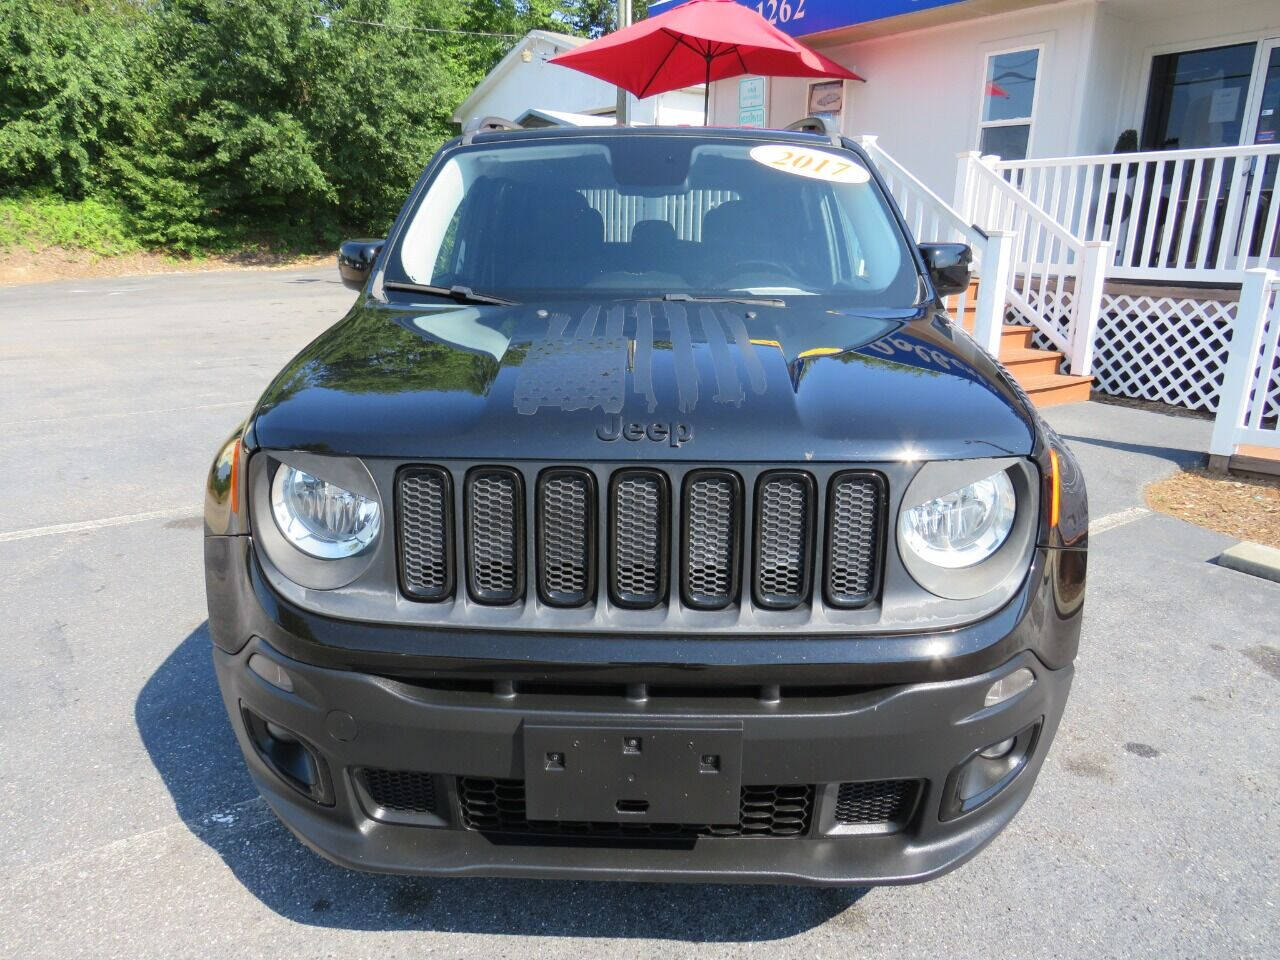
(682, 356)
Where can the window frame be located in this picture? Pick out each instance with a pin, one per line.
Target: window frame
(1029, 121)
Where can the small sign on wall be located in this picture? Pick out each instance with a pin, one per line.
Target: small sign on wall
(751, 102)
(826, 99)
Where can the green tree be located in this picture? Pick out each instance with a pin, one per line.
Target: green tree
(65, 89)
(221, 122)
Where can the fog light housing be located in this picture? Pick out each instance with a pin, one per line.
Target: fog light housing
(289, 757)
(988, 771)
(997, 750)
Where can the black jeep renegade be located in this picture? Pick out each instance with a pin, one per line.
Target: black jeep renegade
(646, 518)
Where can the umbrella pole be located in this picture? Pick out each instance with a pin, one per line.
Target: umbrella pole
(706, 97)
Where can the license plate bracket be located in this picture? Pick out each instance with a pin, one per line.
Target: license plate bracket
(633, 772)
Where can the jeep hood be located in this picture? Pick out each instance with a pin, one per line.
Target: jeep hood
(644, 380)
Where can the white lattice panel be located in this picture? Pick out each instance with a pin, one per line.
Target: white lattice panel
(1166, 349)
(1162, 348)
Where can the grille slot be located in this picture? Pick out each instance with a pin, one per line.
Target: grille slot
(783, 538)
(498, 806)
(877, 801)
(638, 530)
(566, 537)
(403, 790)
(855, 508)
(712, 514)
(495, 535)
(426, 533)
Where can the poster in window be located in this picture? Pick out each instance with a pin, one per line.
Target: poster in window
(826, 99)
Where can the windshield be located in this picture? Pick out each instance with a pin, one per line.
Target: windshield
(654, 216)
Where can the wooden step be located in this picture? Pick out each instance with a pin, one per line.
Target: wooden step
(1051, 390)
(1027, 362)
(1015, 336)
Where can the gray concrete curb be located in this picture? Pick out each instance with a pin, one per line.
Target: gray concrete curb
(1254, 559)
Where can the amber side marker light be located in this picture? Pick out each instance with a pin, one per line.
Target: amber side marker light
(1055, 493)
(235, 476)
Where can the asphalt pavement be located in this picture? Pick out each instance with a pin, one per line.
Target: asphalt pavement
(130, 828)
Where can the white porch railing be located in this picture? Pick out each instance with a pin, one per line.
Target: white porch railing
(1056, 279)
(933, 220)
(1249, 404)
(1172, 215)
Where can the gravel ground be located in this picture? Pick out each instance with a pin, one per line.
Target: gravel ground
(132, 829)
(1247, 509)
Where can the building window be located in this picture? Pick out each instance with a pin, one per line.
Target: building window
(1197, 98)
(1008, 103)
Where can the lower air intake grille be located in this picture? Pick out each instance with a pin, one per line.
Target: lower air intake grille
(712, 505)
(853, 534)
(784, 535)
(403, 790)
(638, 538)
(877, 801)
(426, 533)
(497, 806)
(495, 535)
(566, 532)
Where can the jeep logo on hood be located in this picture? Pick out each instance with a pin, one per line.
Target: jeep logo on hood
(673, 434)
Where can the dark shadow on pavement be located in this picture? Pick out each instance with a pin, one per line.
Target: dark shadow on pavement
(185, 729)
(1181, 456)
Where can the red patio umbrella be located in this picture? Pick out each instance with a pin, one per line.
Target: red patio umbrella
(697, 42)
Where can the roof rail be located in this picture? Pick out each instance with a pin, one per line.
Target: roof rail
(819, 125)
(485, 124)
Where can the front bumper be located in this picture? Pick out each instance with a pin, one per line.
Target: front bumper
(918, 732)
(832, 724)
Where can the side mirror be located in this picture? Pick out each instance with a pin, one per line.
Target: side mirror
(355, 260)
(948, 265)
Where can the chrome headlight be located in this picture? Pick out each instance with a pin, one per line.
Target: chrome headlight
(963, 527)
(966, 528)
(321, 518)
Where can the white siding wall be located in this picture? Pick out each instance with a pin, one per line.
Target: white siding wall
(922, 94)
(1105, 93)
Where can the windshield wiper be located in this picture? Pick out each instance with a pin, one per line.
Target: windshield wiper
(750, 301)
(457, 292)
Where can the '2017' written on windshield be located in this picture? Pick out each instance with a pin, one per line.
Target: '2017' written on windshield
(811, 162)
(780, 11)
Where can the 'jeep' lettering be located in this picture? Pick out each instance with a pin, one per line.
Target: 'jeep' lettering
(674, 434)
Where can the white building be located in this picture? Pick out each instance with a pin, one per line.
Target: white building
(1003, 123)
(526, 88)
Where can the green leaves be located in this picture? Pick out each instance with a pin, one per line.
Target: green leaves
(214, 123)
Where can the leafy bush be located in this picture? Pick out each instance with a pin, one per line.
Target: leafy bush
(207, 124)
(47, 220)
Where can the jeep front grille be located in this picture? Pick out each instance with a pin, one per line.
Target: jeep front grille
(426, 533)
(638, 506)
(495, 535)
(855, 508)
(784, 536)
(705, 538)
(566, 515)
(712, 510)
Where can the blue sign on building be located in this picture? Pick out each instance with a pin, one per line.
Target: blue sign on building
(801, 17)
